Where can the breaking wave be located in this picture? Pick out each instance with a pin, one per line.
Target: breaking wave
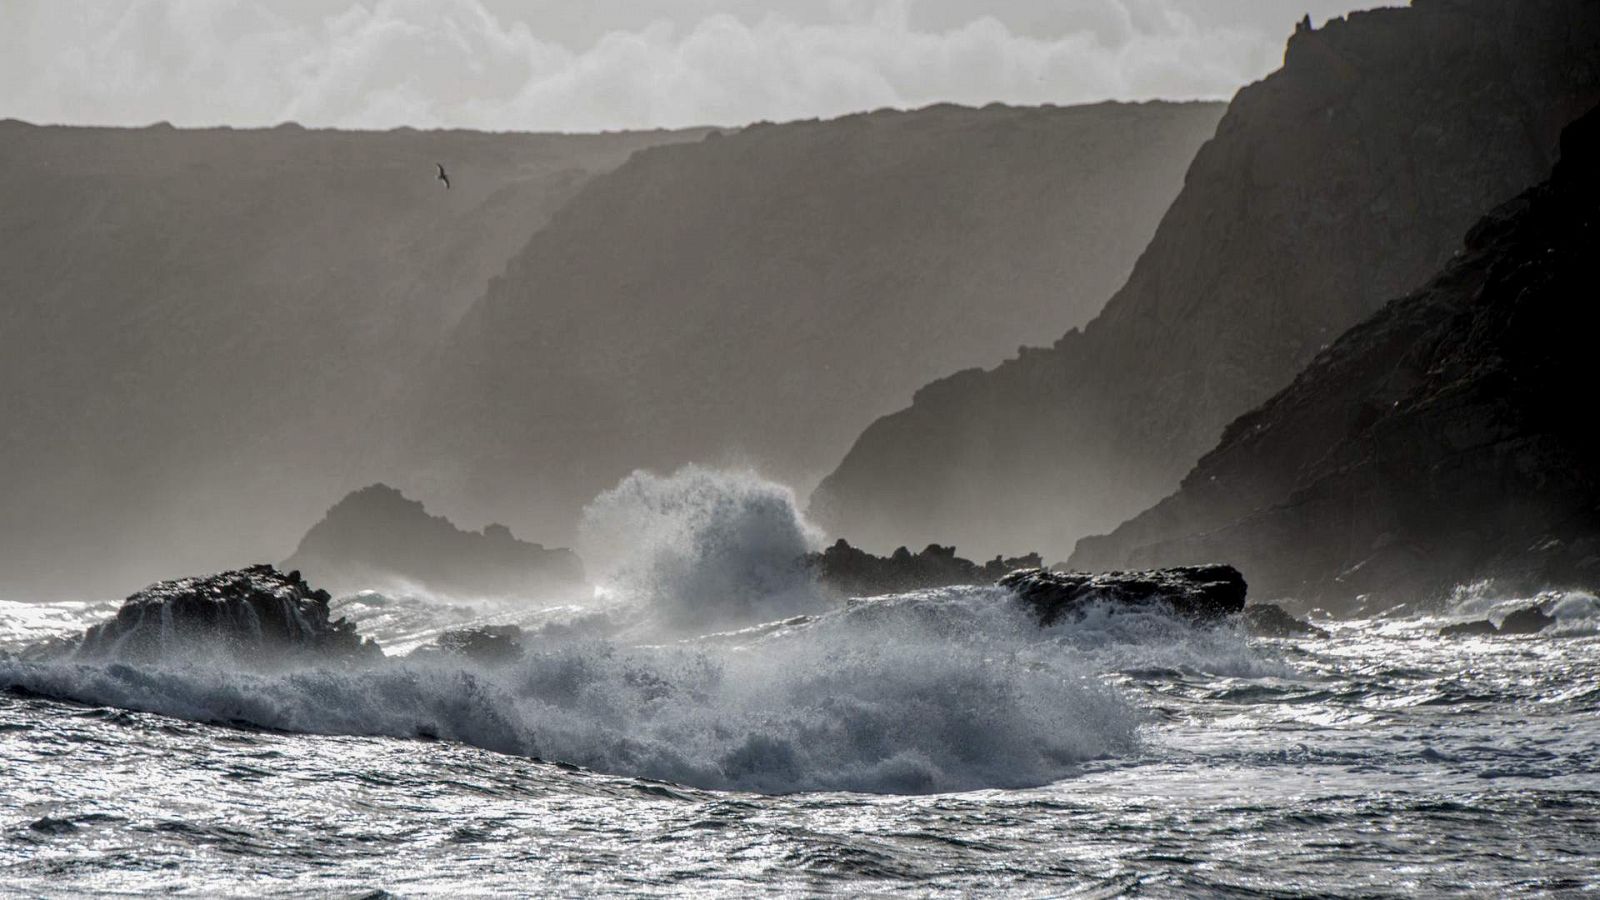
(938, 691)
(930, 691)
(702, 548)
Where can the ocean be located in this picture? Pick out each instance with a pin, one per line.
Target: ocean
(709, 722)
(928, 743)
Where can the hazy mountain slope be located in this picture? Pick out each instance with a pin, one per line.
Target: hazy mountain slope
(202, 331)
(1343, 179)
(1445, 439)
(762, 295)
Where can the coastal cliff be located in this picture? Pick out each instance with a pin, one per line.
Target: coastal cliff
(1340, 181)
(1442, 441)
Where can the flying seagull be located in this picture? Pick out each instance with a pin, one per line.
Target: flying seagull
(443, 177)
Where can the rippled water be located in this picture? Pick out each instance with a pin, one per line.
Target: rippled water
(1165, 760)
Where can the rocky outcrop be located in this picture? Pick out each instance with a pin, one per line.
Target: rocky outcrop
(1202, 593)
(205, 332)
(1443, 441)
(765, 293)
(1338, 182)
(254, 616)
(377, 538)
(1272, 620)
(1476, 628)
(858, 573)
(1527, 620)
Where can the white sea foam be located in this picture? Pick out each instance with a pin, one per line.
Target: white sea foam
(938, 691)
(1575, 612)
(929, 691)
(702, 548)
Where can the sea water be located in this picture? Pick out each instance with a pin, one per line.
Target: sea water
(707, 724)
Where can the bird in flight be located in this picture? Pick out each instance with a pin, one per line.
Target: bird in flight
(443, 177)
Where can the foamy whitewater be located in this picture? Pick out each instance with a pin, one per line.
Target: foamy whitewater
(709, 721)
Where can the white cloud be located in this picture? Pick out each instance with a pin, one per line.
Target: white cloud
(501, 64)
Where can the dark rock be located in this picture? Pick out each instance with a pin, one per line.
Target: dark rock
(857, 572)
(1333, 185)
(377, 538)
(1270, 620)
(1442, 441)
(256, 615)
(1469, 629)
(1203, 593)
(1528, 620)
(484, 643)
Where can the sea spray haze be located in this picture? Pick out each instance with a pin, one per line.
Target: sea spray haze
(703, 548)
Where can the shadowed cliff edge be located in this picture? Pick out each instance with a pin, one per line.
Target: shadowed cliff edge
(1443, 441)
(1338, 182)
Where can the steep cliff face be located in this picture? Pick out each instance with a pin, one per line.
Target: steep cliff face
(376, 538)
(760, 296)
(1446, 439)
(1339, 181)
(190, 317)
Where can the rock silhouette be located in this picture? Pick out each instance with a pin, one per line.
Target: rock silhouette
(1527, 620)
(257, 615)
(377, 538)
(1202, 593)
(858, 573)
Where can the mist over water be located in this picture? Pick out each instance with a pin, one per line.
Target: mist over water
(702, 548)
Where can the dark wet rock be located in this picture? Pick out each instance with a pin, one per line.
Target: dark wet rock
(1203, 593)
(255, 615)
(1271, 620)
(1442, 441)
(1528, 620)
(1469, 629)
(851, 570)
(377, 537)
(1332, 186)
(52, 826)
(484, 643)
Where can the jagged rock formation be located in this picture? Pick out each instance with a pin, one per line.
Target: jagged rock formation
(255, 616)
(1342, 180)
(205, 332)
(1447, 439)
(376, 538)
(1203, 593)
(760, 296)
(859, 573)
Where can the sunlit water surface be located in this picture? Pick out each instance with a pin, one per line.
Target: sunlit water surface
(1384, 761)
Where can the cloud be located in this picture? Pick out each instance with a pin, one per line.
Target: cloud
(477, 64)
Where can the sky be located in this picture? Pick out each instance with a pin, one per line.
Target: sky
(588, 65)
